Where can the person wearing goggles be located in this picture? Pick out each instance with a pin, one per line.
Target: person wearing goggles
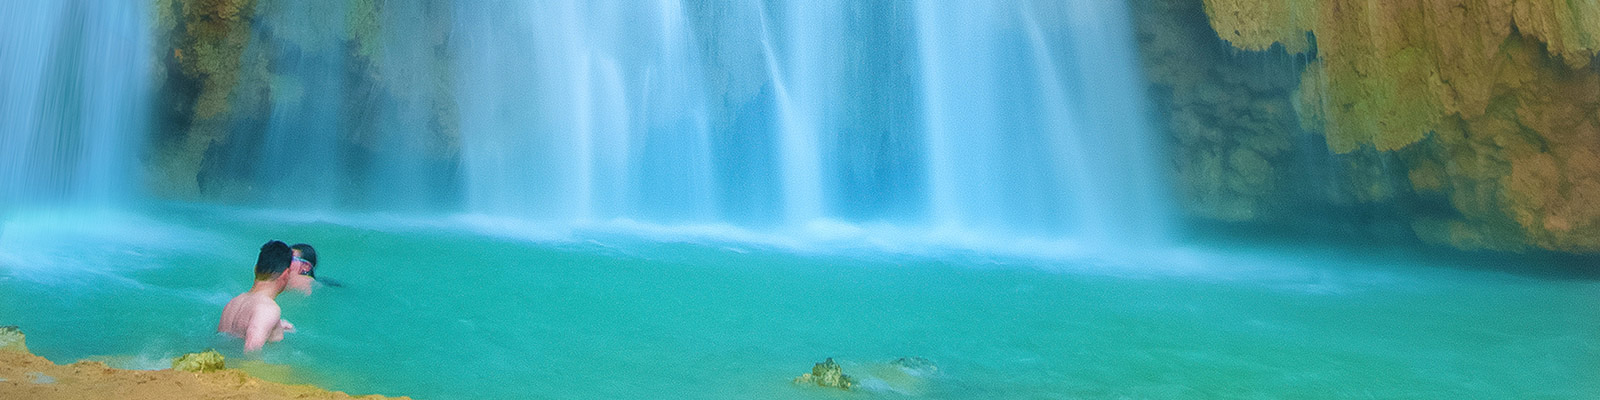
(305, 269)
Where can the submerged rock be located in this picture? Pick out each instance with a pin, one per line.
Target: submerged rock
(11, 339)
(917, 365)
(910, 376)
(827, 374)
(206, 361)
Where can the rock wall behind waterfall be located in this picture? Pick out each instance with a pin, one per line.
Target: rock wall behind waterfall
(1469, 123)
(305, 102)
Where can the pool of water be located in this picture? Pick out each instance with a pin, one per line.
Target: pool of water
(456, 308)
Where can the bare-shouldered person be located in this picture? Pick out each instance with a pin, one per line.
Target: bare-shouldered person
(304, 268)
(254, 315)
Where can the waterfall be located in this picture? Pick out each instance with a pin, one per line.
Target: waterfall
(798, 108)
(1020, 141)
(523, 81)
(74, 96)
(301, 163)
(1123, 160)
(982, 118)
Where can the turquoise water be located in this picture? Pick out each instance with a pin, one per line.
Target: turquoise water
(453, 308)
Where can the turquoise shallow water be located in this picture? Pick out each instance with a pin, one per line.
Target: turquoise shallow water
(446, 310)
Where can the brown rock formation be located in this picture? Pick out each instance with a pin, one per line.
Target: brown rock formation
(225, 65)
(1489, 106)
(1232, 121)
(209, 38)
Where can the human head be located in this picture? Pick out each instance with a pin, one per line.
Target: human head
(304, 267)
(273, 261)
(306, 252)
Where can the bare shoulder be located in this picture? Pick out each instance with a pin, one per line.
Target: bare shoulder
(265, 308)
(235, 302)
(233, 316)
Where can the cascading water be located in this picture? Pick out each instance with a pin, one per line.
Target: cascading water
(987, 118)
(1018, 142)
(520, 140)
(1027, 124)
(797, 109)
(302, 160)
(74, 93)
(583, 110)
(1121, 164)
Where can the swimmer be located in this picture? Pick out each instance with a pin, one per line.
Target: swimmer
(255, 315)
(305, 269)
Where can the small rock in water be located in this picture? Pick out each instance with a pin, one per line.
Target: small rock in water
(206, 361)
(12, 339)
(827, 374)
(918, 365)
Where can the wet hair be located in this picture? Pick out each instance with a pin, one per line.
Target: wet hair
(310, 255)
(274, 259)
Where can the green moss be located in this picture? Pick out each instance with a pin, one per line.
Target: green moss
(205, 361)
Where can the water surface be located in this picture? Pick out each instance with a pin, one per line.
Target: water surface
(450, 307)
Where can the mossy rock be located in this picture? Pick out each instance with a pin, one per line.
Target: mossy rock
(827, 374)
(206, 361)
(12, 339)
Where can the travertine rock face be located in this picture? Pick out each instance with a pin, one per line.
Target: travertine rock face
(207, 41)
(1231, 119)
(1480, 115)
(226, 64)
(1257, 25)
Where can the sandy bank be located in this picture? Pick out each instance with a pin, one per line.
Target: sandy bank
(27, 376)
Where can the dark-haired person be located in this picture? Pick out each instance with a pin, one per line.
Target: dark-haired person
(305, 269)
(254, 315)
